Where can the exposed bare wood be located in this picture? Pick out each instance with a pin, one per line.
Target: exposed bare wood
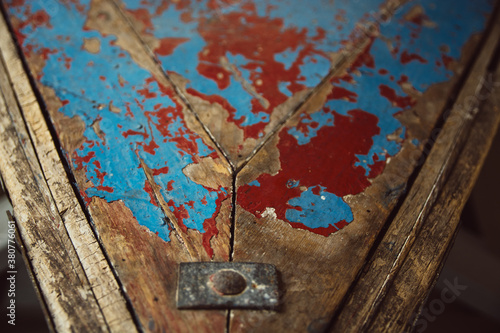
(36, 286)
(171, 219)
(67, 293)
(128, 39)
(397, 242)
(150, 283)
(320, 274)
(230, 139)
(412, 284)
(186, 147)
(148, 267)
(74, 229)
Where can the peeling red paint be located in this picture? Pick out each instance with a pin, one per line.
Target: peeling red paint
(160, 171)
(216, 73)
(264, 37)
(335, 147)
(143, 16)
(321, 230)
(127, 133)
(342, 93)
(146, 93)
(377, 167)
(328, 162)
(408, 57)
(168, 45)
(364, 58)
(150, 147)
(37, 19)
(149, 190)
(399, 101)
(80, 160)
(105, 188)
(180, 212)
(447, 60)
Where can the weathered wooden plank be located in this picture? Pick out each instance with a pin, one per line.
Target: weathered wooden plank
(150, 157)
(34, 281)
(106, 116)
(68, 295)
(400, 237)
(157, 191)
(87, 257)
(343, 164)
(405, 297)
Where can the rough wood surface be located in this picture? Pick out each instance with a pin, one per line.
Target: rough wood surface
(84, 250)
(36, 286)
(144, 262)
(179, 119)
(67, 293)
(317, 272)
(405, 297)
(398, 240)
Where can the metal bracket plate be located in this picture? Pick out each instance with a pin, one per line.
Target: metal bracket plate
(227, 285)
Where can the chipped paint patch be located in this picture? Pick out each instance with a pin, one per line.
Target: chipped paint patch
(243, 69)
(128, 116)
(333, 151)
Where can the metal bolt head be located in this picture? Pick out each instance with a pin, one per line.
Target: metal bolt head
(228, 282)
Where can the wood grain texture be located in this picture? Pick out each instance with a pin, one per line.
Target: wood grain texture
(66, 291)
(404, 299)
(36, 286)
(145, 263)
(148, 267)
(404, 229)
(317, 271)
(83, 248)
(160, 156)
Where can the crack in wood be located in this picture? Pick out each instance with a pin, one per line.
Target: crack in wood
(235, 170)
(165, 75)
(171, 220)
(74, 230)
(426, 180)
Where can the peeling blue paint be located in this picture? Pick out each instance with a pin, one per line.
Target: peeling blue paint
(318, 210)
(87, 91)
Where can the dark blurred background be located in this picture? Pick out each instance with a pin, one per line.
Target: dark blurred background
(473, 263)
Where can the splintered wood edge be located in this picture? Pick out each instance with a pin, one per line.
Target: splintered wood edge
(114, 223)
(67, 296)
(424, 261)
(36, 286)
(76, 238)
(382, 268)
